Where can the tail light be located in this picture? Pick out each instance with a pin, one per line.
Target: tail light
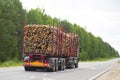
(46, 63)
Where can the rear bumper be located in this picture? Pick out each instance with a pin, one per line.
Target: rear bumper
(36, 65)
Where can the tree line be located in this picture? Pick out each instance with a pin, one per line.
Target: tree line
(12, 16)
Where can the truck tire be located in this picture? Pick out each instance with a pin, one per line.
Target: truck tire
(53, 69)
(63, 64)
(32, 69)
(76, 65)
(26, 68)
(56, 65)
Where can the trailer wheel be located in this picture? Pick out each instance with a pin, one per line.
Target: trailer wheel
(56, 66)
(60, 67)
(53, 68)
(76, 65)
(63, 64)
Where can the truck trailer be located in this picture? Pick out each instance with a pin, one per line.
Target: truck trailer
(48, 47)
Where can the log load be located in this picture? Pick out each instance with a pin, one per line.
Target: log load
(49, 40)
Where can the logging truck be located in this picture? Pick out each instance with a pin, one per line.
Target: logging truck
(48, 47)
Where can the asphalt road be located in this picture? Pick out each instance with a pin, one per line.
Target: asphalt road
(86, 71)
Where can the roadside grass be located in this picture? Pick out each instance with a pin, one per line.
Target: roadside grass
(97, 60)
(11, 63)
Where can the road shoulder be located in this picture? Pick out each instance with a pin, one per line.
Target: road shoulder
(112, 74)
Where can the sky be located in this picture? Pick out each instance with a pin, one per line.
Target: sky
(100, 17)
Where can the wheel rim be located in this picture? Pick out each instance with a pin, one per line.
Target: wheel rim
(53, 68)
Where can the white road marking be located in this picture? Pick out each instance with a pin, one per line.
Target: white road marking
(94, 77)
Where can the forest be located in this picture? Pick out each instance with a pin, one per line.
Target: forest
(13, 16)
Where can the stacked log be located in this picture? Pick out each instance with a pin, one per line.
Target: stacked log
(48, 40)
(71, 45)
(38, 38)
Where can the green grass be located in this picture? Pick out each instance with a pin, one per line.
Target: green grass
(11, 63)
(97, 60)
